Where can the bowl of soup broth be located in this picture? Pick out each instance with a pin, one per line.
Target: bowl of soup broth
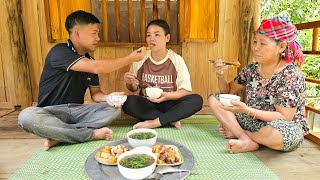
(138, 163)
(142, 137)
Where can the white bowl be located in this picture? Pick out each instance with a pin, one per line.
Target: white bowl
(226, 98)
(154, 92)
(117, 99)
(140, 173)
(146, 142)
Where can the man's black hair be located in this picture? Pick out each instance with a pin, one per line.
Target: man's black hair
(80, 18)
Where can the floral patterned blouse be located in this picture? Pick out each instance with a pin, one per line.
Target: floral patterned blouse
(286, 88)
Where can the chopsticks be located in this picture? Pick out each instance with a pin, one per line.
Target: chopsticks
(235, 63)
(142, 81)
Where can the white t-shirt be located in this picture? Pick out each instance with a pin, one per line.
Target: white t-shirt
(170, 74)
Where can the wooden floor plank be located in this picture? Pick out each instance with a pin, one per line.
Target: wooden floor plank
(17, 146)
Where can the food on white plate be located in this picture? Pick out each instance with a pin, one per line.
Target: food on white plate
(167, 155)
(109, 154)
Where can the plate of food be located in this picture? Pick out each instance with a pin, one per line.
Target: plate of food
(108, 155)
(167, 155)
(96, 170)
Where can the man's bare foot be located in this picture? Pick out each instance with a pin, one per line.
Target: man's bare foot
(147, 124)
(241, 145)
(48, 143)
(102, 133)
(176, 124)
(224, 132)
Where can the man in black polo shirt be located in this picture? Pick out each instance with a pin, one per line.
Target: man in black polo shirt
(69, 70)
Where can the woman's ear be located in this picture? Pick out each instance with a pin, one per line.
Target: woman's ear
(283, 46)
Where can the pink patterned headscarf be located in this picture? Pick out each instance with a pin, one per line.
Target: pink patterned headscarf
(280, 28)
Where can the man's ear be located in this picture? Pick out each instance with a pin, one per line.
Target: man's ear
(168, 37)
(283, 46)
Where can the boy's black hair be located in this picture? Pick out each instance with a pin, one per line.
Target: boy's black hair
(162, 23)
(80, 18)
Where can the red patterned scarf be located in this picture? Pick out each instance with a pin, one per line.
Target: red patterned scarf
(280, 28)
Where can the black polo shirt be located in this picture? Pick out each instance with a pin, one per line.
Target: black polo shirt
(58, 83)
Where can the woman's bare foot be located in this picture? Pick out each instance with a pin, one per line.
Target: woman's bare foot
(102, 133)
(148, 124)
(241, 145)
(176, 124)
(224, 132)
(48, 143)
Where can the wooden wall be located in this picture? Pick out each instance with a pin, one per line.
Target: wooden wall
(195, 54)
(15, 89)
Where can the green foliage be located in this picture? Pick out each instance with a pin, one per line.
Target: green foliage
(299, 11)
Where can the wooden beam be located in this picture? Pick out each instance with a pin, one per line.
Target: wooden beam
(314, 136)
(105, 20)
(311, 52)
(130, 21)
(308, 25)
(316, 81)
(143, 20)
(309, 108)
(117, 14)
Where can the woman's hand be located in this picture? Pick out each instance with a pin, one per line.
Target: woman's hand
(129, 78)
(238, 106)
(164, 97)
(219, 67)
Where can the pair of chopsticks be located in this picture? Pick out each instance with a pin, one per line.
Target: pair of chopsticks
(142, 81)
(235, 63)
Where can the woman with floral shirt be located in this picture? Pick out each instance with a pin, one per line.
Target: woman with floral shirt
(273, 113)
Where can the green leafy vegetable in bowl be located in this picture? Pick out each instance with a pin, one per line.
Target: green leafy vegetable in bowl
(142, 135)
(137, 161)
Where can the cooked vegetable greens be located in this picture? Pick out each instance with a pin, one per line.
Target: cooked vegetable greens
(142, 135)
(136, 161)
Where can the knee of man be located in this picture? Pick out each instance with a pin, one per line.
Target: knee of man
(25, 117)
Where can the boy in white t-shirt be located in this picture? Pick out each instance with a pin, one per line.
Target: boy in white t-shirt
(166, 69)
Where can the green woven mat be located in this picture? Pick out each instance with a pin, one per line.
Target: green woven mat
(199, 135)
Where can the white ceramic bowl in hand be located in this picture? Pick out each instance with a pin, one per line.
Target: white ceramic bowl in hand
(154, 92)
(226, 98)
(144, 142)
(117, 99)
(139, 173)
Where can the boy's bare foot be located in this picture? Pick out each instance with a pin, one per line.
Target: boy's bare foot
(102, 133)
(176, 124)
(48, 143)
(241, 145)
(224, 132)
(147, 124)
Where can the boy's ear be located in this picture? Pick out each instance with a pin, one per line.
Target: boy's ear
(168, 37)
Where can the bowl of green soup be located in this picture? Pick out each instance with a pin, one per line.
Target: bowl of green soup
(142, 137)
(138, 163)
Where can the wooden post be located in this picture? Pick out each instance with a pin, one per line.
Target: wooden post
(105, 20)
(249, 21)
(155, 9)
(315, 39)
(130, 20)
(143, 20)
(14, 55)
(117, 14)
